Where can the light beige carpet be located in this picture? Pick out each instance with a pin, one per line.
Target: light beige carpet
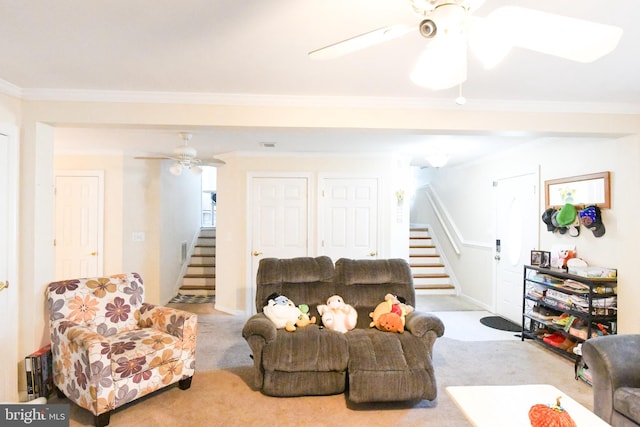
(221, 396)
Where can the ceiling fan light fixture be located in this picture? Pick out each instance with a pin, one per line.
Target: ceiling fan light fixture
(176, 169)
(450, 17)
(438, 160)
(443, 63)
(185, 152)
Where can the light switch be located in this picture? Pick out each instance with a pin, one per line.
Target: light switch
(137, 236)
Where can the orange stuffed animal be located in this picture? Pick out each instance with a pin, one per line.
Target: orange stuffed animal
(390, 314)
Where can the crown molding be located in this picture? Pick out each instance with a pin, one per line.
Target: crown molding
(244, 99)
(10, 89)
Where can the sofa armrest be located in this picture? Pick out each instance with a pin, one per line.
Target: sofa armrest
(258, 332)
(179, 323)
(420, 323)
(426, 326)
(259, 325)
(613, 362)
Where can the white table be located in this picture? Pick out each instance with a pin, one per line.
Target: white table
(508, 406)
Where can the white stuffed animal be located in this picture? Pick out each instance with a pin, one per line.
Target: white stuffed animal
(284, 313)
(338, 316)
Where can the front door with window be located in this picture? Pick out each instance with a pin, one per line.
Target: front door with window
(517, 233)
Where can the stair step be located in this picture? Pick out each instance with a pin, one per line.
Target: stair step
(428, 250)
(431, 276)
(199, 279)
(435, 287)
(204, 250)
(200, 270)
(198, 290)
(416, 272)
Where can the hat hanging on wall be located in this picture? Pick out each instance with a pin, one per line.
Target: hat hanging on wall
(566, 215)
(554, 221)
(591, 218)
(546, 218)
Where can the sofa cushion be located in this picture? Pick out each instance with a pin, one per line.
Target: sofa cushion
(626, 400)
(372, 272)
(304, 280)
(295, 270)
(307, 349)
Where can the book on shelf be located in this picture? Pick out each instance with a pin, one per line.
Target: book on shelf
(39, 373)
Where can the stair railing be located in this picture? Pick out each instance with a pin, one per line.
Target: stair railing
(443, 223)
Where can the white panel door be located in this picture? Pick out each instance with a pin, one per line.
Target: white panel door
(78, 213)
(349, 218)
(517, 231)
(279, 215)
(8, 270)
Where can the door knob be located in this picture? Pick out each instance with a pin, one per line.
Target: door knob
(94, 253)
(372, 254)
(4, 285)
(256, 253)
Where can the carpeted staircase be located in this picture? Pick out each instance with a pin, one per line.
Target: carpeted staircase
(200, 278)
(428, 271)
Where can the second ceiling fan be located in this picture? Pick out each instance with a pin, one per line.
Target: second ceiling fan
(450, 26)
(185, 157)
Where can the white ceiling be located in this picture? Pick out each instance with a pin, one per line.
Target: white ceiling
(251, 48)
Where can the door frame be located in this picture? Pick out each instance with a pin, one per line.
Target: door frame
(536, 172)
(311, 220)
(100, 208)
(11, 358)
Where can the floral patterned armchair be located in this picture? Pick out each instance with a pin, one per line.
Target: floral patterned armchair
(110, 348)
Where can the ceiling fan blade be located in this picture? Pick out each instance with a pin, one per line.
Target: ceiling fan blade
(443, 63)
(152, 158)
(561, 36)
(487, 43)
(213, 162)
(361, 41)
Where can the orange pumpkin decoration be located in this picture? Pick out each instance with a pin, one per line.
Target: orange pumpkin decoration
(550, 416)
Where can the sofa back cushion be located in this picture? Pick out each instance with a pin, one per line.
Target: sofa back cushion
(304, 280)
(364, 284)
(105, 304)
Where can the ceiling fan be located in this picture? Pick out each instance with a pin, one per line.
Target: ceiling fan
(450, 27)
(185, 157)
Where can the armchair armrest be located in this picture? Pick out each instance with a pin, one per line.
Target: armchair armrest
(79, 354)
(80, 336)
(170, 320)
(613, 361)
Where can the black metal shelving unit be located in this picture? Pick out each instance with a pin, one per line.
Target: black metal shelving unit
(538, 281)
